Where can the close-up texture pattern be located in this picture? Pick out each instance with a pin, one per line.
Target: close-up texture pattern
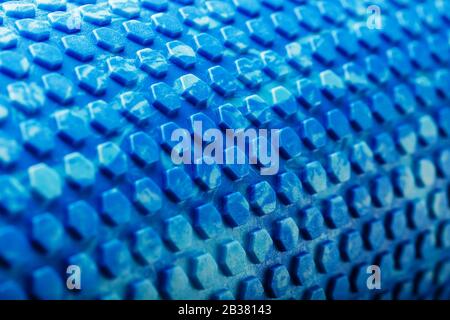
(91, 91)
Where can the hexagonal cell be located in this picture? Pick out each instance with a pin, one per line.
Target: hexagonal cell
(259, 244)
(332, 85)
(72, 128)
(232, 258)
(258, 111)
(37, 137)
(289, 143)
(82, 220)
(374, 234)
(178, 184)
(143, 148)
(14, 65)
(139, 32)
(47, 232)
(58, 88)
(208, 46)
(165, 98)
(181, 54)
(274, 65)
(425, 172)
(10, 152)
(235, 209)
(382, 191)
(104, 117)
(47, 56)
(405, 254)
(91, 79)
(68, 22)
(36, 30)
(78, 47)
(194, 17)
(262, 197)
(403, 181)
(45, 181)
(249, 73)
(79, 170)
(303, 269)
(327, 256)
(206, 174)
(351, 245)
(286, 234)
(175, 283)
(14, 197)
(109, 39)
(8, 39)
(113, 161)
(314, 293)
(308, 94)
(153, 62)
(323, 49)
(312, 224)
(147, 195)
(361, 157)
(337, 124)
(203, 270)
(193, 90)
(289, 188)
(313, 134)
(222, 81)
(14, 247)
(122, 70)
(207, 221)
(46, 284)
(167, 24)
(142, 290)
(178, 232)
(278, 280)
(338, 287)
(339, 167)
(396, 223)
(115, 207)
(146, 245)
(336, 213)
(114, 258)
(260, 32)
(360, 116)
(314, 177)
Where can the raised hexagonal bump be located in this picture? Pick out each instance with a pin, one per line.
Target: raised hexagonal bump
(115, 207)
(79, 170)
(235, 209)
(232, 258)
(146, 245)
(114, 258)
(147, 195)
(82, 220)
(178, 184)
(47, 232)
(45, 181)
(259, 244)
(203, 270)
(286, 234)
(113, 161)
(178, 232)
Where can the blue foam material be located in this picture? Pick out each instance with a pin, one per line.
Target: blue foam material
(90, 91)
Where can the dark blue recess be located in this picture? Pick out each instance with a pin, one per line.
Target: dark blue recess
(91, 91)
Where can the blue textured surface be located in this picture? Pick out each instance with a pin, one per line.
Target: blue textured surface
(91, 91)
